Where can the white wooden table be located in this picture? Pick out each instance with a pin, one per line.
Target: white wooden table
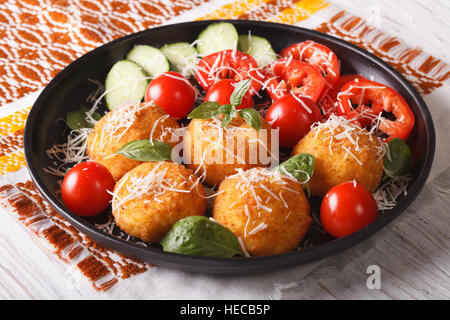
(412, 253)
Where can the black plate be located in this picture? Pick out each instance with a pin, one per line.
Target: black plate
(70, 88)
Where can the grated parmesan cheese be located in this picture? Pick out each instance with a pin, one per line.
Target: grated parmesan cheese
(67, 154)
(340, 129)
(387, 194)
(252, 179)
(153, 184)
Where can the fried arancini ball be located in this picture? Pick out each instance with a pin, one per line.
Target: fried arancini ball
(343, 152)
(214, 152)
(150, 198)
(267, 210)
(124, 124)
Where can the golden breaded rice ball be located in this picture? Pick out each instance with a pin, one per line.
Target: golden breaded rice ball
(267, 210)
(124, 124)
(150, 198)
(343, 152)
(214, 152)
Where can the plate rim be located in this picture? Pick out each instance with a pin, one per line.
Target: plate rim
(235, 265)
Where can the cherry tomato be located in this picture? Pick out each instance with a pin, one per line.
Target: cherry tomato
(293, 76)
(172, 92)
(229, 64)
(85, 188)
(316, 54)
(328, 103)
(372, 98)
(347, 208)
(221, 92)
(294, 117)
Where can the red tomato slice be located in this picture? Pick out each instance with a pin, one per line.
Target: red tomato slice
(402, 126)
(328, 103)
(229, 64)
(296, 77)
(274, 86)
(316, 54)
(364, 93)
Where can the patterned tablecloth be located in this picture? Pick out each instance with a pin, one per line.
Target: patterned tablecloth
(39, 38)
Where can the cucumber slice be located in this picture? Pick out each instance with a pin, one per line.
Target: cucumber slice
(151, 59)
(259, 48)
(182, 57)
(125, 82)
(217, 37)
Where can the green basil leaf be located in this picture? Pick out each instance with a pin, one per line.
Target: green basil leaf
(199, 236)
(77, 119)
(307, 189)
(146, 150)
(226, 120)
(300, 166)
(229, 115)
(398, 160)
(206, 110)
(239, 91)
(226, 109)
(251, 116)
